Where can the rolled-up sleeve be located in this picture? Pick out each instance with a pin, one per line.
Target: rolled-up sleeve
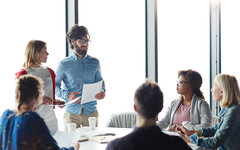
(59, 77)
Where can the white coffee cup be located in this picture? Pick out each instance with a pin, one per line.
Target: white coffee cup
(92, 122)
(71, 127)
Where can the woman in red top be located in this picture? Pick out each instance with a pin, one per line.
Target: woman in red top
(36, 54)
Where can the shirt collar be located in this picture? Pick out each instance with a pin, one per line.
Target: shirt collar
(78, 58)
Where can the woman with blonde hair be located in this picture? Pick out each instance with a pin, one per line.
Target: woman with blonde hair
(24, 129)
(36, 54)
(225, 134)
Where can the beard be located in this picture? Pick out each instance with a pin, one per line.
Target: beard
(79, 50)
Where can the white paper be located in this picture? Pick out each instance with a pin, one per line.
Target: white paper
(72, 101)
(90, 90)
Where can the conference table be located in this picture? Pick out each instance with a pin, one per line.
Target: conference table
(65, 139)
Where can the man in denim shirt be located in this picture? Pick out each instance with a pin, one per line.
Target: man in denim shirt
(73, 72)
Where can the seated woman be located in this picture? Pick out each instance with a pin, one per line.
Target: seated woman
(24, 129)
(190, 107)
(224, 135)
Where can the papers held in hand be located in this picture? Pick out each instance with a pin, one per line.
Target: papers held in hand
(89, 91)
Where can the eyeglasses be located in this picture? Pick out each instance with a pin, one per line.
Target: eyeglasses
(82, 41)
(181, 82)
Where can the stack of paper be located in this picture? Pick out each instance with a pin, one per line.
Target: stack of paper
(102, 139)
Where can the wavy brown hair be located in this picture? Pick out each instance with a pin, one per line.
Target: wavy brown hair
(28, 88)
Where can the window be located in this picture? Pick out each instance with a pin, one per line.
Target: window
(230, 47)
(183, 43)
(42, 20)
(117, 30)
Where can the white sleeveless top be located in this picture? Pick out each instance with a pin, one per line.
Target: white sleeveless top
(45, 111)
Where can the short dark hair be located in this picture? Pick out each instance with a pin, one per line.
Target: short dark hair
(148, 99)
(195, 80)
(76, 32)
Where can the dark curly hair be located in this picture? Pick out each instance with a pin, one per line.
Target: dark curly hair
(76, 32)
(195, 80)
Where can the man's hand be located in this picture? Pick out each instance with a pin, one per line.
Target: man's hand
(100, 95)
(72, 96)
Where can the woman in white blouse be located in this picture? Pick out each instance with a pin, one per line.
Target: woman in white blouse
(36, 54)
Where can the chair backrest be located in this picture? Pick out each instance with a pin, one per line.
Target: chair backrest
(122, 120)
(215, 119)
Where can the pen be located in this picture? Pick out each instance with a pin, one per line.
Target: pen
(103, 138)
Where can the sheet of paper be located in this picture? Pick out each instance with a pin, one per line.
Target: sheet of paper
(90, 90)
(70, 102)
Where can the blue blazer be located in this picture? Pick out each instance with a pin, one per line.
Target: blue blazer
(225, 135)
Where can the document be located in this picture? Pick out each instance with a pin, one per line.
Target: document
(90, 90)
(102, 139)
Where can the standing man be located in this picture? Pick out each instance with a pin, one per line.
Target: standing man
(73, 72)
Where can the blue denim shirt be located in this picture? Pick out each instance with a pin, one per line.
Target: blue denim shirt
(72, 72)
(225, 135)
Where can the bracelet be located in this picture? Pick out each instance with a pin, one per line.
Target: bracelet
(196, 131)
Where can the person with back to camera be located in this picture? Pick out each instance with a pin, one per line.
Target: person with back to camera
(73, 72)
(225, 135)
(190, 109)
(36, 54)
(148, 102)
(24, 129)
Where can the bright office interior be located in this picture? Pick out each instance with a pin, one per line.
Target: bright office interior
(118, 34)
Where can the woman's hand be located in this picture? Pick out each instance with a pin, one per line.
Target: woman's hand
(182, 130)
(172, 128)
(186, 138)
(47, 100)
(76, 146)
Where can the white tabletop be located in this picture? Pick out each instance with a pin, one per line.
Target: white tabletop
(65, 139)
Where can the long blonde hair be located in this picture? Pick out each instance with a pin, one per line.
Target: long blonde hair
(32, 51)
(229, 85)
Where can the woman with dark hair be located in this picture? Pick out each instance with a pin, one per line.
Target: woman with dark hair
(190, 110)
(225, 134)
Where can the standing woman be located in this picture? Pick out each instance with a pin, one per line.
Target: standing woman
(36, 54)
(224, 135)
(190, 107)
